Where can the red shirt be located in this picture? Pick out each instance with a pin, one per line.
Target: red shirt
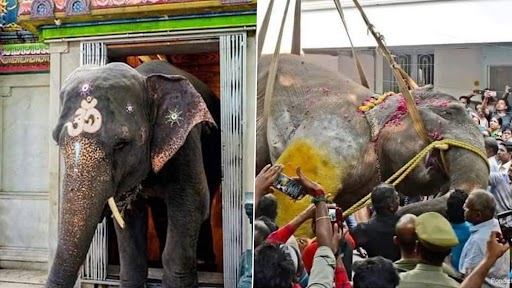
(281, 235)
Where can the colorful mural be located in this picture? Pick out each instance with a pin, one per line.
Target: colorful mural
(24, 57)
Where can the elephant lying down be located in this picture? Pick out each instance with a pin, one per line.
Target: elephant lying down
(119, 128)
(315, 122)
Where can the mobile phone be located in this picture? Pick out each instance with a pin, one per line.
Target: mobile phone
(479, 92)
(509, 90)
(336, 216)
(505, 220)
(289, 187)
(492, 93)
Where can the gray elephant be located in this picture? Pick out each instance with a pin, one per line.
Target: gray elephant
(317, 121)
(136, 135)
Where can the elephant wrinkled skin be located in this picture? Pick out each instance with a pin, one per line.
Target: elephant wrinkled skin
(314, 123)
(123, 133)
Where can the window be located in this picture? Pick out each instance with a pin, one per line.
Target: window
(420, 66)
(499, 77)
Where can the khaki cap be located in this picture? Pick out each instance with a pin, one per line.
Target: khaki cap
(434, 230)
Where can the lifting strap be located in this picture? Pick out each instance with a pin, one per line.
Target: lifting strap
(360, 70)
(401, 77)
(264, 27)
(272, 72)
(296, 28)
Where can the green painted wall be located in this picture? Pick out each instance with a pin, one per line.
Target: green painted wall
(150, 26)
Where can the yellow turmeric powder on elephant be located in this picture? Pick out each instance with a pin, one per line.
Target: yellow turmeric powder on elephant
(318, 166)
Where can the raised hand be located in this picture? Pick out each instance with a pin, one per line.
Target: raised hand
(266, 177)
(310, 187)
(496, 246)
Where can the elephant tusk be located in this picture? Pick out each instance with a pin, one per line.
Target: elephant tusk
(115, 212)
(442, 147)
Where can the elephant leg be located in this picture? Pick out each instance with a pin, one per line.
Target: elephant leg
(132, 243)
(187, 199)
(216, 224)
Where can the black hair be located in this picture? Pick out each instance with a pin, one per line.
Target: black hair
(267, 206)
(375, 272)
(261, 232)
(491, 143)
(272, 267)
(498, 118)
(383, 196)
(431, 257)
(464, 97)
(454, 206)
(270, 224)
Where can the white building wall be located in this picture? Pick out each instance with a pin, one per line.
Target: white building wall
(457, 69)
(419, 22)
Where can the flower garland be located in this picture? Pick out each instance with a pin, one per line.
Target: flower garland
(371, 102)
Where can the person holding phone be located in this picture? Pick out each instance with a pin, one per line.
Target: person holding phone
(496, 247)
(327, 263)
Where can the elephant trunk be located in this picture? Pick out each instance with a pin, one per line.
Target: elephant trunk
(87, 186)
(467, 170)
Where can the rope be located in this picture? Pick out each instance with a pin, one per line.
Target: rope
(407, 168)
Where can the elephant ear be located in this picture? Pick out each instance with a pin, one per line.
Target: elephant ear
(386, 112)
(176, 108)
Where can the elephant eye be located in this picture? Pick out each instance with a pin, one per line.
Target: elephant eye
(121, 145)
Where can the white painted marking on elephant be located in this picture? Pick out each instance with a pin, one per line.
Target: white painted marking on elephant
(173, 117)
(87, 118)
(77, 153)
(129, 108)
(86, 89)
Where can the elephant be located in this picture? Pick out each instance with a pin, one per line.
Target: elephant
(317, 121)
(136, 135)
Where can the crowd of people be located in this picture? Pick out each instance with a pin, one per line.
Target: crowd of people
(492, 114)
(464, 249)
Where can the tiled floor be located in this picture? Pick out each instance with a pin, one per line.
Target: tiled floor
(10, 278)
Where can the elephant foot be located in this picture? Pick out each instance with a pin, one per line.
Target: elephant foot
(126, 284)
(180, 280)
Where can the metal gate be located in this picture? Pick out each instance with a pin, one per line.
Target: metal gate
(95, 265)
(233, 52)
(233, 90)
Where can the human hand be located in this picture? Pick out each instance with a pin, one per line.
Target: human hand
(310, 187)
(496, 246)
(310, 211)
(507, 89)
(487, 94)
(337, 237)
(266, 178)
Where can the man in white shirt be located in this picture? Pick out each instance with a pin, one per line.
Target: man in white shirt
(505, 155)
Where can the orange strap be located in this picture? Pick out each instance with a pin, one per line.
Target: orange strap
(360, 70)
(264, 27)
(400, 76)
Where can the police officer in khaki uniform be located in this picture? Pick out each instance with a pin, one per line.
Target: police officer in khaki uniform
(435, 240)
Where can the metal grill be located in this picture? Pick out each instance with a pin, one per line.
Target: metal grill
(233, 123)
(419, 66)
(95, 265)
